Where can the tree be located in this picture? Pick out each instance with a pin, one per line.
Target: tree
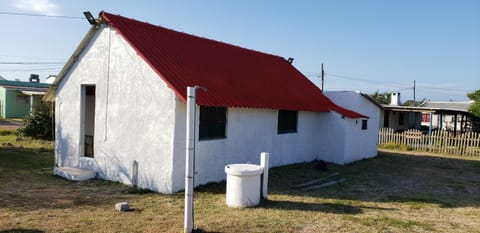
(475, 107)
(381, 98)
(38, 124)
(412, 103)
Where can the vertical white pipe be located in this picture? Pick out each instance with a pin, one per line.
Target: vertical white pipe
(188, 227)
(32, 100)
(134, 173)
(264, 157)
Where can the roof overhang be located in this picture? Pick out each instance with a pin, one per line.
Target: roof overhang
(33, 92)
(51, 93)
(423, 109)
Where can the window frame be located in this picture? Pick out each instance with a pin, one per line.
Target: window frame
(284, 127)
(213, 125)
(364, 124)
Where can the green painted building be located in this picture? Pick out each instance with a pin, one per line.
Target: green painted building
(17, 97)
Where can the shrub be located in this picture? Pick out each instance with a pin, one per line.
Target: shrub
(38, 124)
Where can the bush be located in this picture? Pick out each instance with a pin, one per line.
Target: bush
(38, 124)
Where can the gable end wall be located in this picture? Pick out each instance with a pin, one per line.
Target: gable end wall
(134, 115)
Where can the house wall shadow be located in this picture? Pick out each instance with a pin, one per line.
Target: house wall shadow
(333, 208)
(390, 177)
(19, 230)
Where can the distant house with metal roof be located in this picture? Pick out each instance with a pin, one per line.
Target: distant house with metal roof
(121, 112)
(448, 115)
(17, 98)
(430, 115)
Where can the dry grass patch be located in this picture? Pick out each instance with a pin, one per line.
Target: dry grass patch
(390, 193)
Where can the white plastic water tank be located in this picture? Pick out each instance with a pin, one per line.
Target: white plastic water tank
(243, 185)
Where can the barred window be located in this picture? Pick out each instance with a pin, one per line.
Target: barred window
(287, 121)
(213, 121)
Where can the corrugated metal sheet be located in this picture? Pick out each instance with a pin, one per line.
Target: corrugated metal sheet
(234, 76)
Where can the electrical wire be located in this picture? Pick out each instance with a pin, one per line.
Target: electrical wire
(39, 58)
(34, 69)
(40, 15)
(30, 63)
(391, 84)
(367, 80)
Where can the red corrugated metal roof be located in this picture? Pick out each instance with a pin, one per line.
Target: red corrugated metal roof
(234, 76)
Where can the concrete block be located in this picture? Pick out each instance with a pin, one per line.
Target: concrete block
(122, 206)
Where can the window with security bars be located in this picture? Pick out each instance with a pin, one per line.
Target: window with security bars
(287, 121)
(213, 122)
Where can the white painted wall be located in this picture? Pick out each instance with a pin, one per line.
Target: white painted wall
(134, 115)
(249, 132)
(359, 143)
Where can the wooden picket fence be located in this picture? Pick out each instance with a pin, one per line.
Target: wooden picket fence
(444, 142)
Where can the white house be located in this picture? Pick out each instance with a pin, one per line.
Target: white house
(357, 133)
(120, 103)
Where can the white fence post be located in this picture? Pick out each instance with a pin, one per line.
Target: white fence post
(264, 157)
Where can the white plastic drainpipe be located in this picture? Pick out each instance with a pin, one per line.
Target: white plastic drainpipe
(32, 100)
(189, 160)
(190, 157)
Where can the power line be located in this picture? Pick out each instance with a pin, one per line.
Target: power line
(40, 15)
(40, 58)
(443, 89)
(35, 69)
(389, 83)
(30, 63)
(367, 80)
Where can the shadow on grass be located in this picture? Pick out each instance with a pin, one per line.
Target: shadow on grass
(411, 179)
(200, 230)
(390, 177)
(333, 208)
(27, 182)
(22, 231)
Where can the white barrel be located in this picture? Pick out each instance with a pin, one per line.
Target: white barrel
(243, 185)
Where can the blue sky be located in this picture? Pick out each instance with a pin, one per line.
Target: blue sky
(364, 45)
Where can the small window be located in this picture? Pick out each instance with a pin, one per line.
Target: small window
(287, 121)
(22, 99)
(364, 124)
(213, 121)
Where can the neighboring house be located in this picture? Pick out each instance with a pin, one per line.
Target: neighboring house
(401, 117)
(120, 101)
(450, 115)
(430, 115)
(17, 98)
(367, 129)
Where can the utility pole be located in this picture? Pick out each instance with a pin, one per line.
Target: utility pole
(414, 100)
(322, 75)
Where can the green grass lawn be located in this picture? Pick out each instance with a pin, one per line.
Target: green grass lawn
(389, 193)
